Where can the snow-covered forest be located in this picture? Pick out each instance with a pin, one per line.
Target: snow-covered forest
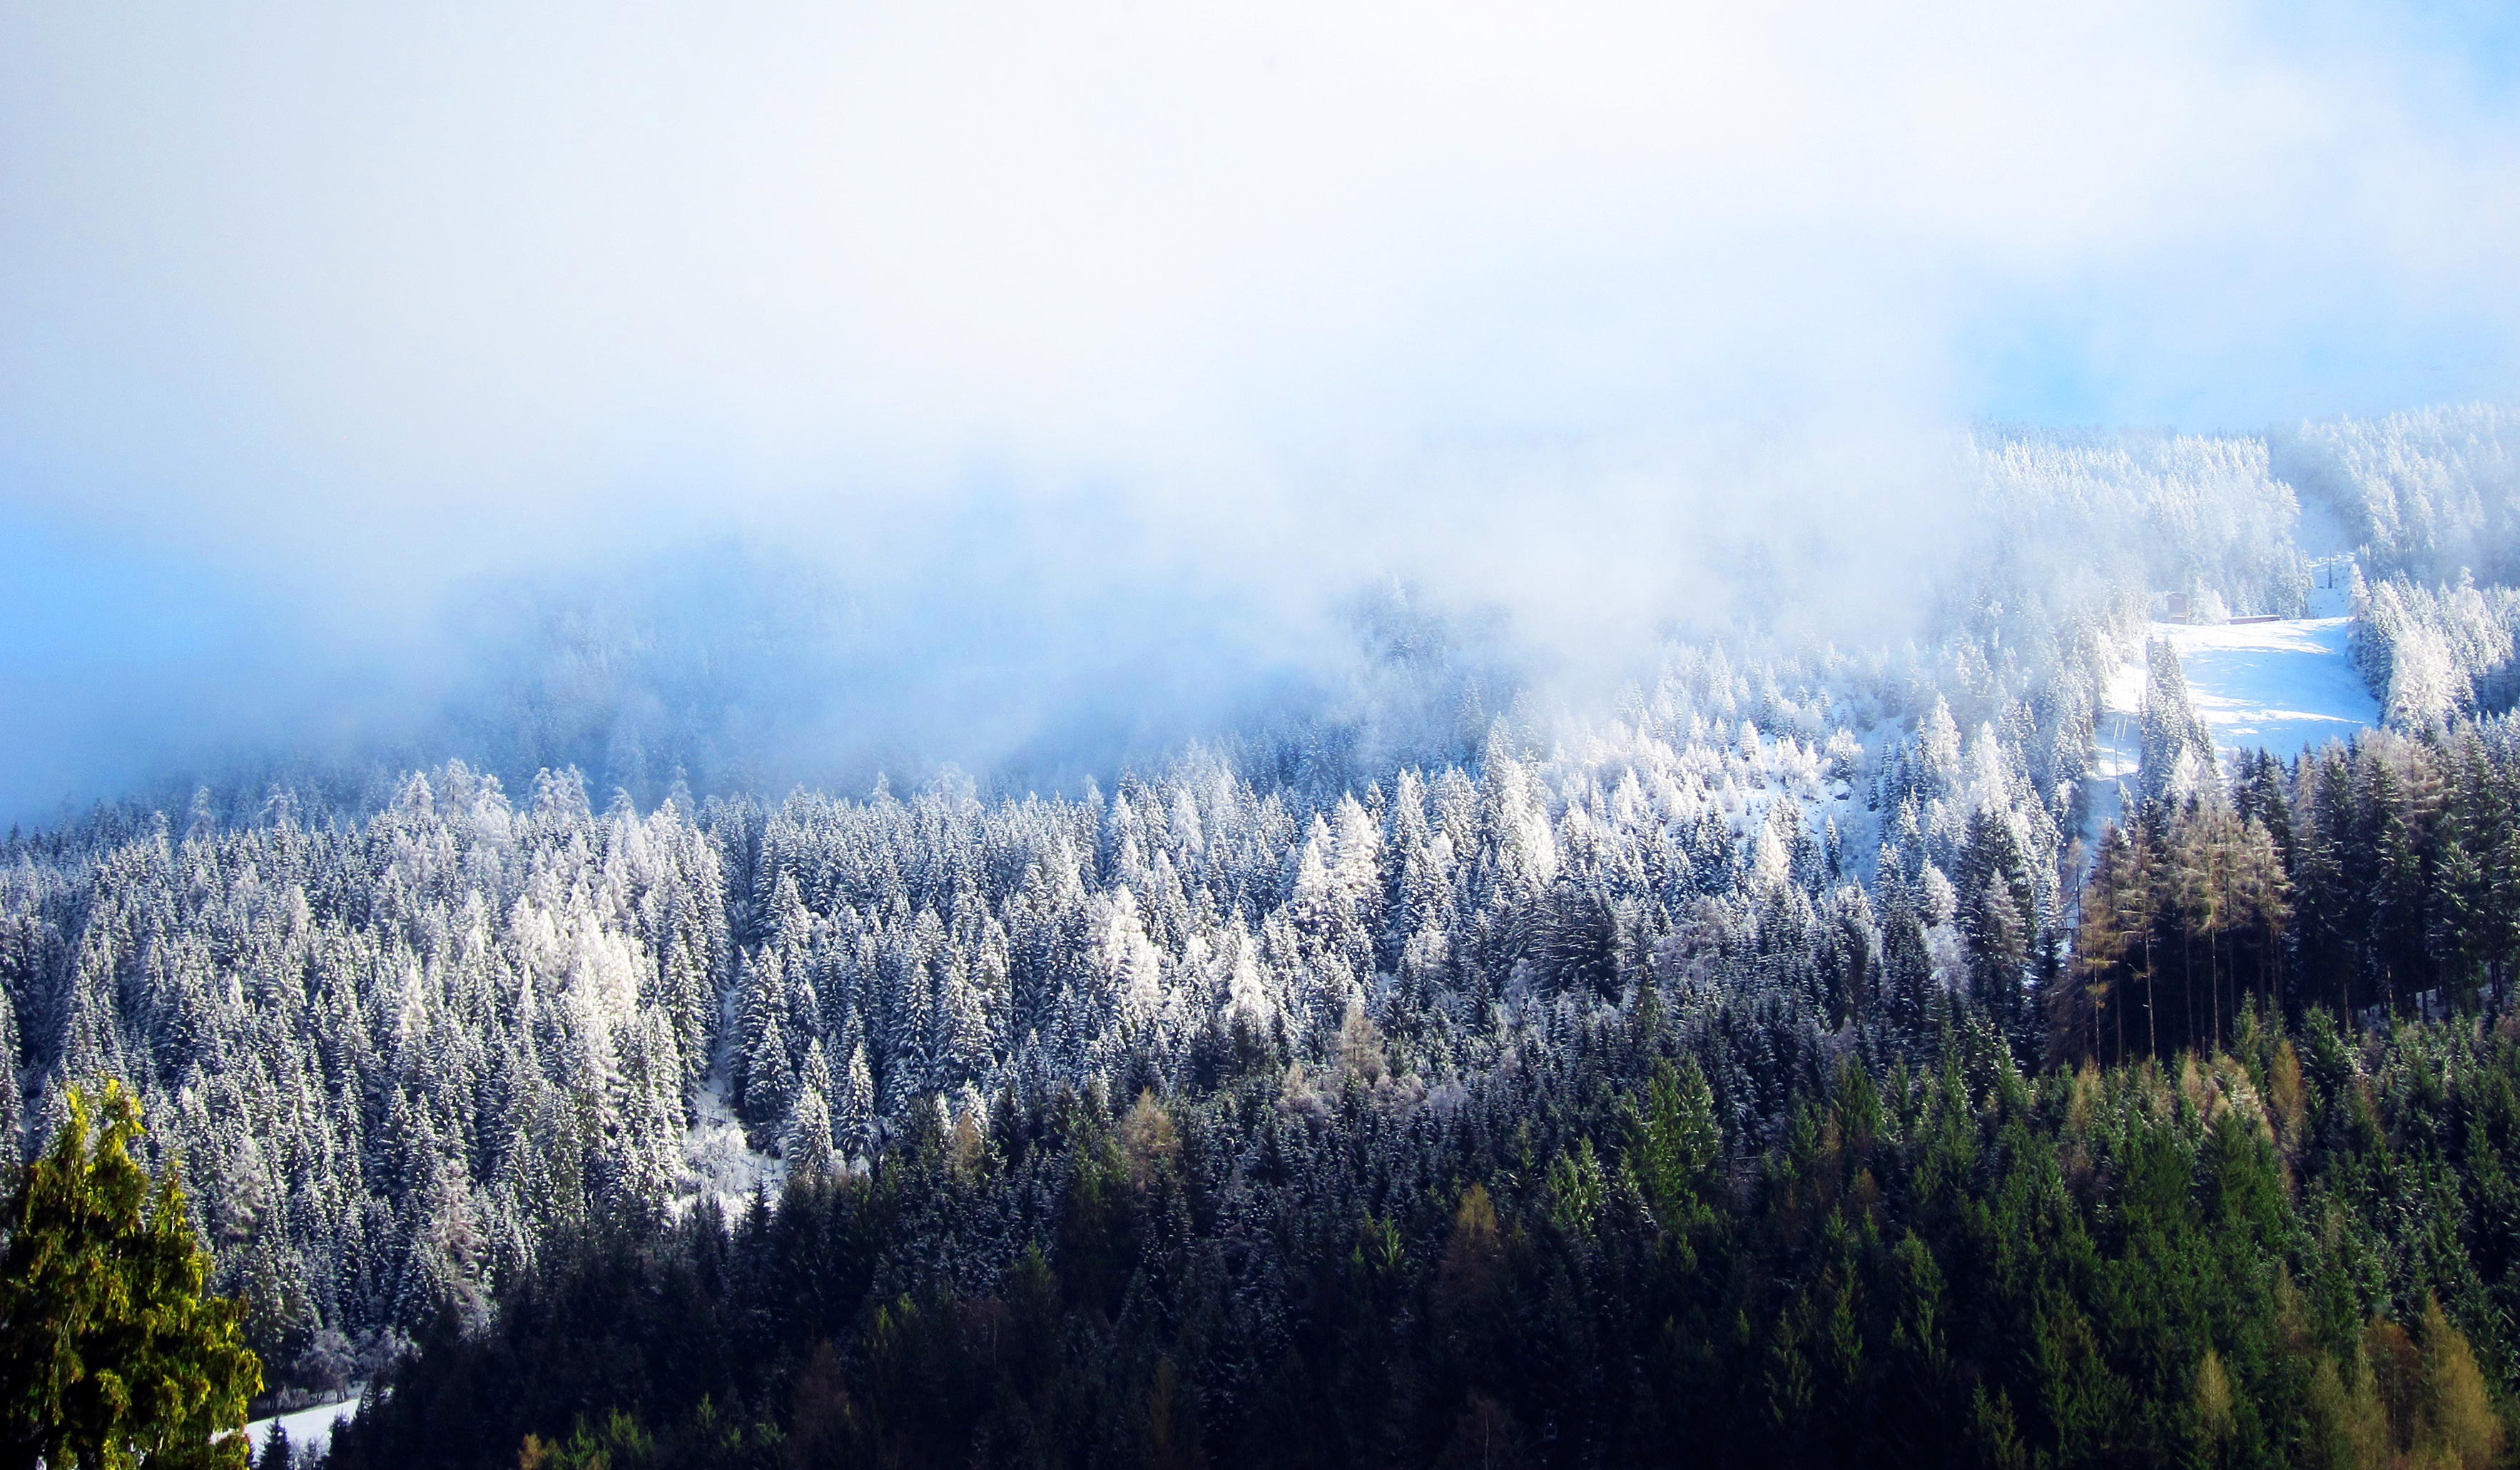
(402, 1032)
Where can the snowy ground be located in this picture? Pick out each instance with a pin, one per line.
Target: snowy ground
(307, 1428)
(716, 1160)
(2119, 734)
(2279, 686)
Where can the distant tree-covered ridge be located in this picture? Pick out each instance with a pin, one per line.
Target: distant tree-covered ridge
(2425, 494)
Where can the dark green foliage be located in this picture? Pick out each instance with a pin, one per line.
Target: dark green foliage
(2302, 1251)
(2376, 879)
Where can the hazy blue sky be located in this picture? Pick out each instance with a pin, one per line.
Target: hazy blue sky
(312, 315)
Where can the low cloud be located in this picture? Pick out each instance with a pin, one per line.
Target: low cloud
(1109, 324)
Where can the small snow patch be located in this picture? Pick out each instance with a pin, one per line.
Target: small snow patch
(717, 1160)
(310, 1430)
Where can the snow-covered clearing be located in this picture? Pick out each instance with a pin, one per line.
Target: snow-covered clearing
(2280, 687)
(307, 1428)
(716, 1158)
(2118, 733)
(2277, 686)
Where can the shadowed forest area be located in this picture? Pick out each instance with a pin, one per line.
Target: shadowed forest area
(2263, 1255)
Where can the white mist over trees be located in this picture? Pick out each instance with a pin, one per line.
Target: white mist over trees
(315, 325)
(401, 1027)
(2428, 492)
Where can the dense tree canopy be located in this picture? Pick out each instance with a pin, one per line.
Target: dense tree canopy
(2295, 1251)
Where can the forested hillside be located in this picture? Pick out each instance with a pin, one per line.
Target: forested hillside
(1778, 1051)
(2425, 494)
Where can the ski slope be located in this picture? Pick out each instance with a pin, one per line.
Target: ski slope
(2278, 686)
(2283, 687)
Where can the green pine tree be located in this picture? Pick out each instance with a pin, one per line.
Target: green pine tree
(111, 1353)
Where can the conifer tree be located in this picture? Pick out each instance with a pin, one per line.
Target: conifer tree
(111, 1352)
(2178, 759)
